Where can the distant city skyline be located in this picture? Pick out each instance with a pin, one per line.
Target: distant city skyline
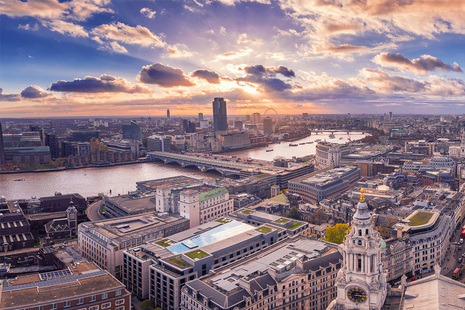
(119, 58)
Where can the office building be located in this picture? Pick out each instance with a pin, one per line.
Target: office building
(51, 140)
(323, 184)
(80, 286)
(131, 131)
(328, 155)
(200, 117)
(103, 242)
(2, 147)
(298, 273)
(160, 268)
(429, 235)
(204, 206)
(27, 155)
(15, 231)
(220, 115)
(179, 181)
(267, 126)
(84, 135)
(158, 143)
(256, 118)
(168, 113)
(130, 204)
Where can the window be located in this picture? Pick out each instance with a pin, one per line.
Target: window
(80, 301)
(94, 308)
(118, 293)
(106, 305)
(104, 295)
(120, 308)
(67, 303)
(119, 302)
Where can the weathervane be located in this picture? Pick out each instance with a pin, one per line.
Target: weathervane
(362, 198)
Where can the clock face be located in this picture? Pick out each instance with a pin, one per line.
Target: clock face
(357, 295)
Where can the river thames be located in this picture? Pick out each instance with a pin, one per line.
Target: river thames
(121, 179)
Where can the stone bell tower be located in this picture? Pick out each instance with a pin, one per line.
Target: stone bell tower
(361, 282)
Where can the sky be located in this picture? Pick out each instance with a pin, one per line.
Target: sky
(139, 58)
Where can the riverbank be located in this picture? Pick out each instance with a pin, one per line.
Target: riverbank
(75, 168)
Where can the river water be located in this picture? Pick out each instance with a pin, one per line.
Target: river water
(121, 179)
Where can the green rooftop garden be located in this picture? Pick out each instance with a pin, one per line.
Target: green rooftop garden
(165, 242)
(280, 198)
(420, 218)
(196, 254)
(223, 220)
(178, 262)
(264, 229)
(261, 176)
(282, 220)
(295, 225)
(247, 212)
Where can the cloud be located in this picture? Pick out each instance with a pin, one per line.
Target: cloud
(424, 64)
(80, 10)
(210, 76)
(66, 28)
(375, 21)
(164, 76)
(34, 92)
(112, 47)
(386, 83)
(29, 27)
(148, 12)
(266, 77)
(105, 83)
(9, 97)
(344, 48)
(178, 51)
(123, 33)
(234, 55)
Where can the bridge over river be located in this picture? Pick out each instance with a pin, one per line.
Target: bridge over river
(227, 166)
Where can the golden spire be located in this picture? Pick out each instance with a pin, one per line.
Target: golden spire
(362, 198)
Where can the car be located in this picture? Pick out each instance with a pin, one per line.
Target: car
(461, 240)
(132, 307)
(460, 260)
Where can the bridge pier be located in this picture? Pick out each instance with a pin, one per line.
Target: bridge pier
(183, 165)
(203, 169)
(165, 161)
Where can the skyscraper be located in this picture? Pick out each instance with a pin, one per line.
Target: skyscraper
(168, 113)
(200, 117)
(267, 126)
(131, 131)
(2, 149)
(220, 116)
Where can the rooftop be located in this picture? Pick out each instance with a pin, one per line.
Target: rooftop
(128, 227)
(81, 279)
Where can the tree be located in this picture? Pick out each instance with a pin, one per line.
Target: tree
(294, 214)
(336, 233)
(146, 304)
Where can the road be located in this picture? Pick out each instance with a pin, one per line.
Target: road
(93, 212)
(453, 254)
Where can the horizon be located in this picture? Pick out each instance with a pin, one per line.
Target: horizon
(85, 58)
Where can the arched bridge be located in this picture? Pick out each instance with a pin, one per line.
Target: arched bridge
(205, 164)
